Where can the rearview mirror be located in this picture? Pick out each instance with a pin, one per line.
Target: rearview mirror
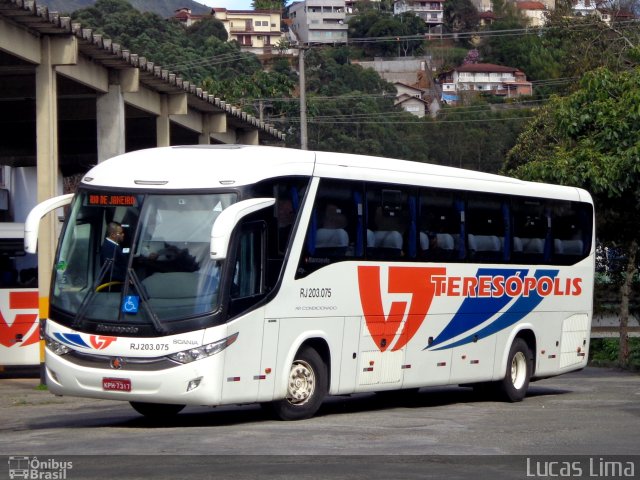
(32, 224)
(228, 219)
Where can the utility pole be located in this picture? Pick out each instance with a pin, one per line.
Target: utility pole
(303, 99)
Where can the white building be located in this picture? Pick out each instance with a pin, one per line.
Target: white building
(484, 78)
(319, 21)
(431, 11)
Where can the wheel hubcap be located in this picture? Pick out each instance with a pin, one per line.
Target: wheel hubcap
(518, 370)
(301, 383)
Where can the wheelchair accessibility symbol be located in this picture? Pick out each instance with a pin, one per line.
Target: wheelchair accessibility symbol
(130, 304)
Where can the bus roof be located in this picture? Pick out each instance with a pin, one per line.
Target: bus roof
(199, 167)
(215, 166)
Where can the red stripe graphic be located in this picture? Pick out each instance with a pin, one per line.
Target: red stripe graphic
(22, 323)
(23, 300)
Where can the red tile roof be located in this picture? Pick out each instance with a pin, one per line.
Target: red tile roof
(485, 68)
(530, 6)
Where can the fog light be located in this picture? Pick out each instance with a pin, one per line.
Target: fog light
(193, 384)
(53, 375)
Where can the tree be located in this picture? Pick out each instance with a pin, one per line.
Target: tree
(389, 32)
(590, 139)
(350, 109)
(207, 27)
(476, 138)
(587, 43)
(527, 51)
(268, 4)
(460, 16)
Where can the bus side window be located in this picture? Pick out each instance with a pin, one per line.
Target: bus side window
(387, 222)
(289, 193)
(439, 226)
(569, 223)
(486, 229)
(335, 226)
(248, 285)
(248, 274)
(529, 227)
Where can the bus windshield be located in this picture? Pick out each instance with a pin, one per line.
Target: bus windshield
(138, 259)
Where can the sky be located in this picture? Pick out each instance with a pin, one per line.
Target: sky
(228, 4)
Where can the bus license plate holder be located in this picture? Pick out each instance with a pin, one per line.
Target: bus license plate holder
(116, 384)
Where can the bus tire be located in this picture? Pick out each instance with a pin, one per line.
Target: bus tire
(515, 383)
(307, 386)
(157, 410)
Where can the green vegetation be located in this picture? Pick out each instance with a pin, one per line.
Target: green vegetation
(604, 352)
(268, 4)
(390, 30)
(164, 8)
(200, 53)
(590, 138)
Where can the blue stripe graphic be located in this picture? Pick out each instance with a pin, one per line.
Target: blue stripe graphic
(475, 311)
(520, 309)
(73, 339)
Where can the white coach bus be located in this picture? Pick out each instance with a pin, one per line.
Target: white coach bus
(249, 274)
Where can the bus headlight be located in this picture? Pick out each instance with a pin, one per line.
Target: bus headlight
(188, 356)
(55, 346)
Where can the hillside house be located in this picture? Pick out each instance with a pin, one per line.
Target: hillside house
(431, 11)
(535, 12)
(319, 21)
(483, 78)
(257, 31)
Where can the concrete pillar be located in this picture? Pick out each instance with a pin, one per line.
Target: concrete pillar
(54, 51)
(205, 135)
(110, 118)
(248, 137)
(163, 128)
(212, 123)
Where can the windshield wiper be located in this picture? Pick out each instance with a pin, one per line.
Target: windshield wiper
(84, 306)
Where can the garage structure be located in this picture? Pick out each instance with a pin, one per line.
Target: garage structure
(70, 98)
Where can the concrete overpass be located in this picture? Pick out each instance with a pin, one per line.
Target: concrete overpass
(70, 98)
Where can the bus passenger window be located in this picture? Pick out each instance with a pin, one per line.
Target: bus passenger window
(332, 238)
(569, 224)
(387, 222)
(529, 227)
(334, 230)
(486, 229)
(439, 226)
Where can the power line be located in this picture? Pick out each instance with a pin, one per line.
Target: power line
(235, 56)
(332, 120)
(481, 33)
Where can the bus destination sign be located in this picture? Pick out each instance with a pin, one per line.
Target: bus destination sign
(112, 200)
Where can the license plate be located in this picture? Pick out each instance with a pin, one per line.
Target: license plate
(116, 384)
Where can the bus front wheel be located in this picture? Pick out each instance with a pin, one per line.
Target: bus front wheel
(518, 373)
(307, 386)
(157, 410)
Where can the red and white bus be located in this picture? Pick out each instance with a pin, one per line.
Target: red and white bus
(279, 276)
(19, 325)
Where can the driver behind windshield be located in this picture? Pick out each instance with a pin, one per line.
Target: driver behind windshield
(112, 254)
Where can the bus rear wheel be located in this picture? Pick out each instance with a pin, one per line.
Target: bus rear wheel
(307, 386)
(515, 383)
(157, 411)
